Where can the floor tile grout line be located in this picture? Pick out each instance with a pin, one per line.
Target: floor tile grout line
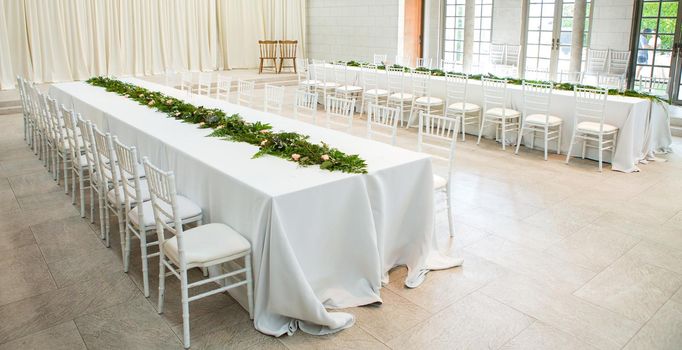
(650, 318)
(519, 333)
(80, 334)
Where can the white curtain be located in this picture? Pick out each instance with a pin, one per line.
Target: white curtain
(63, 40)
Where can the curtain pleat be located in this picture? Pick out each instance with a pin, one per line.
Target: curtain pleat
(64, 40)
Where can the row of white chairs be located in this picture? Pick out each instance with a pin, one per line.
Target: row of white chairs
(411, 92)
(140, 195)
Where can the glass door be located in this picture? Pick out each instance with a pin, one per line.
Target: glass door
(549, 35)
(541, 38)
(657, 63)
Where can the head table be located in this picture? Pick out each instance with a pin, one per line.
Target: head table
(320, 239)
(644, 127)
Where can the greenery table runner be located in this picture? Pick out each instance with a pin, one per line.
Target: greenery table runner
(287, 145)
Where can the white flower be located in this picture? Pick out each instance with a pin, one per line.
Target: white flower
(169, 102)
(264, 142)
(202, 124)
(177, 114)
(325, 157)
(151, 103)
(219, 127)
(264, 131)
(296, 156)
(140, 95)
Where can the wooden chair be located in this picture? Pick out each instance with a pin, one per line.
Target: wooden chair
(268, 51)
(287, 51)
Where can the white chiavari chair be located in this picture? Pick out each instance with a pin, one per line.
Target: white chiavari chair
(135, 192)
(223, 88)
(610, 81)
(399, 98)
(596, 61)
(537, 99)
(588, 123)
(379, 60)
(89, 168)
(618, 62)
(449, 66)
(79, 162)
(570, 77)
(496, 54)
(204, 246)
(536, 74)
(346, 79)
(95, 178)
(439, 133)
(495, 111)
(324, 87)
(24, 105)
(34, 118)
(339, 112)
(653, 85)
(371, 90)
(382, 121)
(172, 79)
(423, 99)
(245, 92)
(274, 98)
(456, 85)
(110, 185)
(204, 84)
(62, 147)
(47, 139)
(305, 104)
(187, 82)
(423, 63)
(306, 81)
(512, 55)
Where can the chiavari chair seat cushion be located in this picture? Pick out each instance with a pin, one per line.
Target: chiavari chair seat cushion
(144, 193)
(401, 96)
(499, 112)
(593, 127)
(349, 88)
(309, 82)
(186, 210)
(327, 85)
(429, 101)
(541, 119)
(377, 92)
(439, 182)
(207, 243)
(465, 107)
(140, 170)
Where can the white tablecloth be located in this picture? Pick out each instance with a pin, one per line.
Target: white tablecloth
(640, 134)
(320, 239)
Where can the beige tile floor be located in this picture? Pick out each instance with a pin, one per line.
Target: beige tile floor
(556, 257)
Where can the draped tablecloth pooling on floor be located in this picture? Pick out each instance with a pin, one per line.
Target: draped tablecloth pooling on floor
(640, 133)
(320, 239)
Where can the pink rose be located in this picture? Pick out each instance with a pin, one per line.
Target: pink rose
(264, 131)
(296, 156)
(325, 157)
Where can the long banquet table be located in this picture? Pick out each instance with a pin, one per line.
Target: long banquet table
(643, 132)
(320, 239)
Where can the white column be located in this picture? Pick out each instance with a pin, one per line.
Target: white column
(577, 35)
(469, 19)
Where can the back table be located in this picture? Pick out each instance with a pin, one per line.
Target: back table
(644, 128)
(320, 239)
